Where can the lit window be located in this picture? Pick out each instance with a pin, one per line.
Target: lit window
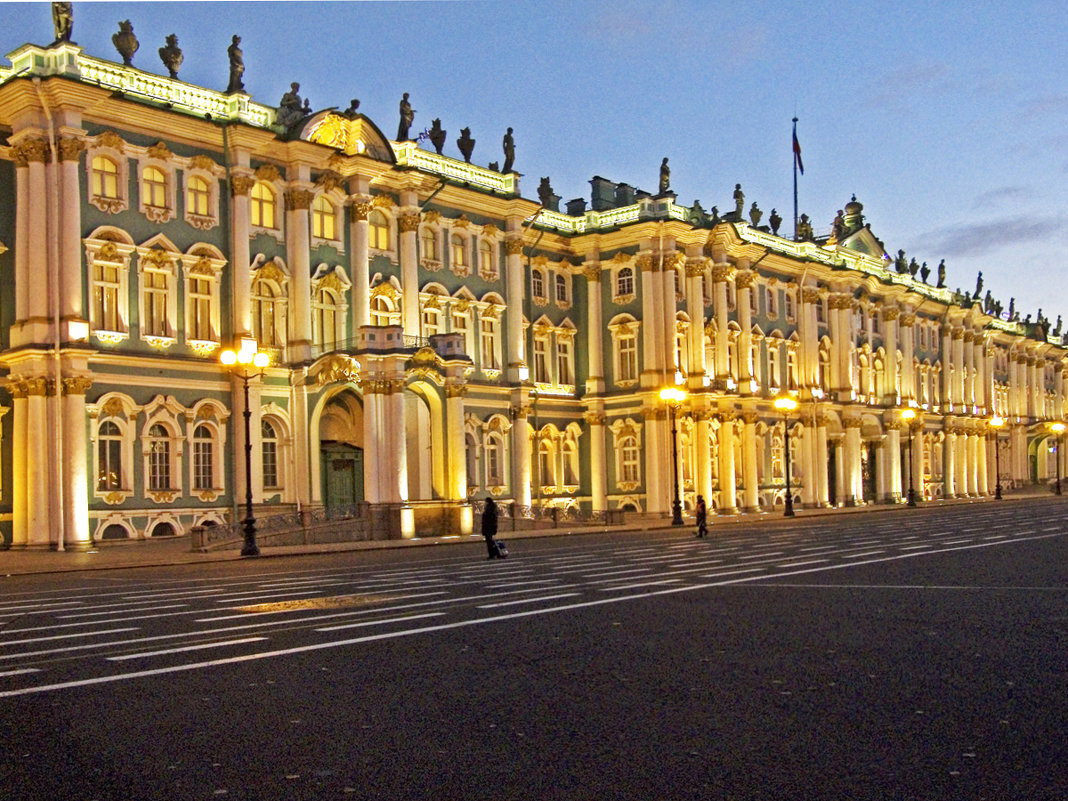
(326, 319)
(154, 188)
(199, 309)
(458, 251)
(105, 178)
(546, 474)
(431, 321)
(494, 473)
(156, 320)
(262, 205)
(627, 356)
(203, 458)
(563, 361)
(268, 314)
(109, 457)
(197, 196)
(429, 240)
(378, 230)
(489, 340)
(323, 219)
(461, 324)
(106, 297)
(541, 363)
(485, 258)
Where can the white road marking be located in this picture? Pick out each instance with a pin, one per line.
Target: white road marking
(365, 623)
(802, 564)
(66, 636)
(530, 600)
(200, 647)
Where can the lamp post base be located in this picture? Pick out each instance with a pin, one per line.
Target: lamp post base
(250, 548)
(912, 497)
(676, 513)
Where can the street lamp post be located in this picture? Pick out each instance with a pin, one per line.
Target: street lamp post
(908, 415)
(673, 396)
(1058, 429)
(239, 361)
(996, 422)
(786, 404)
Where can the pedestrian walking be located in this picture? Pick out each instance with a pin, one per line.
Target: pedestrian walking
(489, 528)
(702, 517)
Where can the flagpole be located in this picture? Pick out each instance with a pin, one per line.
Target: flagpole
(793, 153)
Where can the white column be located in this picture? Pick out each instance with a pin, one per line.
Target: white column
(595, 383)
(890, 489)
(809, 466)
(751, 490)
(241, 183)
(823, 489)
(359, 212)
(454, 435)
(409, 262)
(514, 289)
(908, 351)
(298, 244)
(521, 455)
(743, 282)
(652, 330)
(727, 487)
(949, 469)
(598, 465)
(37, 309)
(39, 527)
(851, 472)
(19, 463)
(76, 459)
(70, 243)
(893, 388)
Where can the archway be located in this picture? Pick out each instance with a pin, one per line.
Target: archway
(341, 462)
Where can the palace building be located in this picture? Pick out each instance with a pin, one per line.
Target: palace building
(436, 336)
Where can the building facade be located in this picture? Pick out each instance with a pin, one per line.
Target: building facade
(435, 336)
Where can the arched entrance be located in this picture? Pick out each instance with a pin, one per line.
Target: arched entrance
(341, 460)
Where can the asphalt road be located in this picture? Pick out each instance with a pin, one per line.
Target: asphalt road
(915, 654)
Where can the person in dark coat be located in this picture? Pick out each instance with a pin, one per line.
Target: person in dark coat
(489, 527)
(702, 517)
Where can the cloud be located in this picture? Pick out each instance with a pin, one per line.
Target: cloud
(994, 198)
(977, 239)
(1044, 105)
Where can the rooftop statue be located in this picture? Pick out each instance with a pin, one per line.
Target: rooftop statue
(466, 144)
(437, 135)
(941, 275)
(804, 229)
(924, 272)
(979, 284)
(509, 151)
(545, 192)
(838, 226)
(407, 117)
(901, 264)
(353, 109)
(237, 66)
(289, 109)
(739, 200)
(665, 177)
(914, 268)
(775, 221)
(125, 42)
(1057, 327)
(63, 21)
(171, 55)
(755, 214)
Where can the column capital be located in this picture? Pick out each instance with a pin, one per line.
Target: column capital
(241, 184)
(360, 210)
(70, 148)
(514, 246)
(891, 313)
(31, 150)
(299, 199)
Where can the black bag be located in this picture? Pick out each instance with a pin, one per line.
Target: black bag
(502, 549)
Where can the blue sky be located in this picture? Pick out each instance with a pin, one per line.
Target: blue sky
(949, 122)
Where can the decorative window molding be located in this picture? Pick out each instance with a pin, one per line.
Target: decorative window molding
(330, 286)
(201, 193)
(325, 220)
(265, 203)
(202, 270)
(107, 258)
(381, 233)
(627, 446)
(623, 283)
(112, 435)
(107, 173)
(625, 332)
(459, 257)
(269, 293)
(206, 438)
(157, 177)
(158, 295)
(161, 449)
(430, 247)
(487, 258)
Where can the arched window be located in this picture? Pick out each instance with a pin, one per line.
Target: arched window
(428, 239)
(494, 463)
(262, 206)
(378, 231)
(485, 257)
(489, 341)
(269, 451)
(324, 219)
(431, 321)
(105, 178)
(571, 462)
(109, 457)
(203, 458)
(326, 319)
(561, 289)
(199, 308)
(537, 284)
(154, 188)
(159, 458)
(268, 314)
(625, 281)
(627, 358)
(546, 474)
(197, 196)
(457, 251)
(381, 311)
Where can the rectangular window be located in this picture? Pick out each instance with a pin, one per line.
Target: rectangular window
(155, 322)
(203, 476)
(106, 297)
(628, 358)
(159, 466)
(541, 364)
(199, 309)
(489, 344)
(563, 361)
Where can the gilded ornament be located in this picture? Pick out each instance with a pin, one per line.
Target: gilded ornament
(241, 184)
(621, 258)
(490, 230)
(513, 247)
(202, 162)
(432, 217)
(77, 385)
(299, 199)
(113, 408)
(31, 150)
(382, 202)
(360, 210)
(110, 139)
(329, 180)
(722, 273)
(592, 271)
(462, 222)
(455, 390)
(645, 262)
(271, 272)
(891, 313)
(159, 151)
(268, 172)
(744, 279)
(70, 148)
(907, 319)
(594, 418)
(408, 223)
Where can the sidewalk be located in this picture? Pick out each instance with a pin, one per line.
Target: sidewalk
(176, 550)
